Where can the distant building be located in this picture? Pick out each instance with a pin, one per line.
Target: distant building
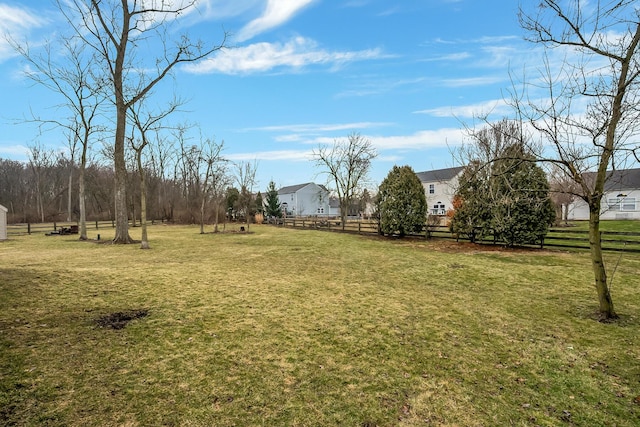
(3, 223)
(620, 201)
(304, 200)
(440, 186)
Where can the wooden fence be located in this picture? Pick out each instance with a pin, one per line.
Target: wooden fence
(558, 238)
(22, 229)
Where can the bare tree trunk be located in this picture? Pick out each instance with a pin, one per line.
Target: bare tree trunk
(143, 208)
(597, 263)
(69, 195)
(82, 205)
(121, 209)
(202, 205)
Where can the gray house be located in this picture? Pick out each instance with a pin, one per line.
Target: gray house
(621, 199)
(304, 199)
(440, 186)
(3, 223)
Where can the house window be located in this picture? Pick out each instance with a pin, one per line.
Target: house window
(320, 210)
(432, 188)
(622, 203)
(292, 197)
(438, 209)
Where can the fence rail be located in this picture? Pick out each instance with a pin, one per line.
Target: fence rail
(22, 229)
(559, 238)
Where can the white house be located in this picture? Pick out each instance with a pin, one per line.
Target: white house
(621, 199)
(3, 222)
(304, 199)
(440, 186)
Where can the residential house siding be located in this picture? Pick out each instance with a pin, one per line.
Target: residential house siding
(440, 187)
(620, 201)
(304, 199)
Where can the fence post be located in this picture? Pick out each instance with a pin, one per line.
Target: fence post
(29, 228)
(113, 224)
(54, 226)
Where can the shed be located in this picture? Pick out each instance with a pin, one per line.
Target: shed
(3, 222)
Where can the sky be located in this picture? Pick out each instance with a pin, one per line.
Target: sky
(408, 75)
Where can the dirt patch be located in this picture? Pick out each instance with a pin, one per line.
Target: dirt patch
(120, 319)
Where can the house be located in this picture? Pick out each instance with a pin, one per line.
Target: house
(304, 199)
(440, 186)
(3, 223)
(620, 201)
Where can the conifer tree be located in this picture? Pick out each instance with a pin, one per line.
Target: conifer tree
(402, 202)
(272, 206)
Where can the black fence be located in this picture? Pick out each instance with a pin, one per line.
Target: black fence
(22, 229)
(555, 238)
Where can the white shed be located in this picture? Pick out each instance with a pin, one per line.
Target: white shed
(3, 222)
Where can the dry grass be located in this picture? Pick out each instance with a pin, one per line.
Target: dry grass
(302, 328)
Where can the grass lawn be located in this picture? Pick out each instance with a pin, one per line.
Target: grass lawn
(283, 327)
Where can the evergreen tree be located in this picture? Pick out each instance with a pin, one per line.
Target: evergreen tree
(507, 196)
(402, 202)
(524, 210)
(472, 216)
(272, 206)
(259, 202)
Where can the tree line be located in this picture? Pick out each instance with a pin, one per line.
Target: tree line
(184, 184)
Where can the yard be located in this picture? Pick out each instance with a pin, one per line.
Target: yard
(284, 327)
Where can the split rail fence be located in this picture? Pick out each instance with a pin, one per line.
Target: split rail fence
(22, 229)
(555, 238)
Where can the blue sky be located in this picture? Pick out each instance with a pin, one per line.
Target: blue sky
(405, 74)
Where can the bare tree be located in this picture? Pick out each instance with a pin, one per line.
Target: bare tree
(144, 124)
(213, 177)
(40, 162)
(246, 179)
(68, 70)
(601, 70)
(564, 191)
(347, 165)
(117, 30)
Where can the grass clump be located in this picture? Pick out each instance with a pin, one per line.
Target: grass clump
(288, 327)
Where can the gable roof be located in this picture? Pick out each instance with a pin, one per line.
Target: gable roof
(2, 208)
(292, 188)
(625, 179)
(439, 174)
(295, 188)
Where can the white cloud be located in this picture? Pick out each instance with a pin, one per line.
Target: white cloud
(439, 138)
(14, 151)
(316, 127)
(473, 81)
(16, 23)
(493, 107)
(289, 155)
(276, 13)
(260, 57)
(460, 56)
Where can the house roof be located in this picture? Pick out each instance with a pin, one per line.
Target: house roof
(295, 188)
(625, 179)
(439, 174)
(2, 208)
